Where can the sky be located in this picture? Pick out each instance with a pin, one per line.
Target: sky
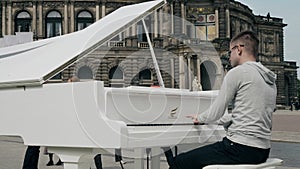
(289, 11)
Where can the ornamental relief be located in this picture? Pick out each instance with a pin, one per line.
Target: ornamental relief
(268, 32)
(53, 4)
(84, 4)
(22, 5)
(114, 5)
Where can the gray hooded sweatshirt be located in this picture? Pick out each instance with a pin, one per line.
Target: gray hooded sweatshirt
(252, 88)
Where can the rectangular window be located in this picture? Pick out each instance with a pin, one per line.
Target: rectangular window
(49, 30)
(80, 26)
(211, 32)
(58, 29)
(53, 29)
(201, 32)
(204, 27)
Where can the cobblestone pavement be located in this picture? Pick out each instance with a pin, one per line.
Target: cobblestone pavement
(285, 140)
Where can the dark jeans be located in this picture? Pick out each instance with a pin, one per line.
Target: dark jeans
(31, 158)
(223, 152)
(98, 161)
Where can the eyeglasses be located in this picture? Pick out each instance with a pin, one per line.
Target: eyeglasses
(229, 52)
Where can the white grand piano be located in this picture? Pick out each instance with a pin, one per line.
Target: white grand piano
(74, 119)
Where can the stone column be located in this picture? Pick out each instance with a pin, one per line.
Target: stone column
(172, 19)
(172, 64)
(40, 25)
(181, 72)
(227, 23)
(155, 24)
(160, 22)
(66, 28)
(72, 29)
(133, 30)
(3, 18)
(97, 11)
(217, 22)
(103, 9)
(183, 17)
(127, 33)
(198, 69)
(189, 72)
(34, 19)
(9, 15)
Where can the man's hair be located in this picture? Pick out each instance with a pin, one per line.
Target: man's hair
(249, 40)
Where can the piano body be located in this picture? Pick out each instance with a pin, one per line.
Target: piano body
(73, 119)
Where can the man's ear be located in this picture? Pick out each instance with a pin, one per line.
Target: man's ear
(240, 51)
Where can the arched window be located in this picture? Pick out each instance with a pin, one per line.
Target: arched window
(116, 77)
(23, 22)
(143, 78)
(53, 24)
(84, 19)
(145, 74)
(85, 73)
(115, 73)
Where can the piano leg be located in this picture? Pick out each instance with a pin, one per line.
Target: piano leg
(70, 156)
(155, 157)
(139, 158)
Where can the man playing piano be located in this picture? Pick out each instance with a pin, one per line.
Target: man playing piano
(252, 88)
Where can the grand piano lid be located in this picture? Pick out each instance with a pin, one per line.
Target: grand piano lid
(34, 63)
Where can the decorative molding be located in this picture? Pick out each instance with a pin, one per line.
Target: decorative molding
(85, 4)
(268, 32)
(114, 5)
(22, 5)
(53, 4)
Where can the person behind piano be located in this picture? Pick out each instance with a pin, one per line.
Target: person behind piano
(252, 88)
(59, 162)
(31, 158)
(97, 158)
(73, 79)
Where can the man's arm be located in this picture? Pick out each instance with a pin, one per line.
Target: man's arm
(226, 94)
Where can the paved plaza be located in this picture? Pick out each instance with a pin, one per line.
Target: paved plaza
(285, 143)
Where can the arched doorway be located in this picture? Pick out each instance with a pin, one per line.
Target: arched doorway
(208, 75)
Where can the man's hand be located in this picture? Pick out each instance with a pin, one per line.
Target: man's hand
(194, 117)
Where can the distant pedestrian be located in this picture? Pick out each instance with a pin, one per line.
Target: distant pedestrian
(296, 104)
(292, 105)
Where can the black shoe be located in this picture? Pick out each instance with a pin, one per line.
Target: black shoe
(50, 163)
(59, 162)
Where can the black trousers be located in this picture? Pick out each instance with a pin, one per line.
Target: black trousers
(31, 158)
(98, 161)
(223, 152)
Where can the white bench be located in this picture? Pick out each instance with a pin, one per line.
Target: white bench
(269, 164)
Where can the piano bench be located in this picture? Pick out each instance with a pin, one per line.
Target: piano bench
(269, 164)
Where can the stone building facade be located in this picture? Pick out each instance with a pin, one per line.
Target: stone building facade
(190, 38)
